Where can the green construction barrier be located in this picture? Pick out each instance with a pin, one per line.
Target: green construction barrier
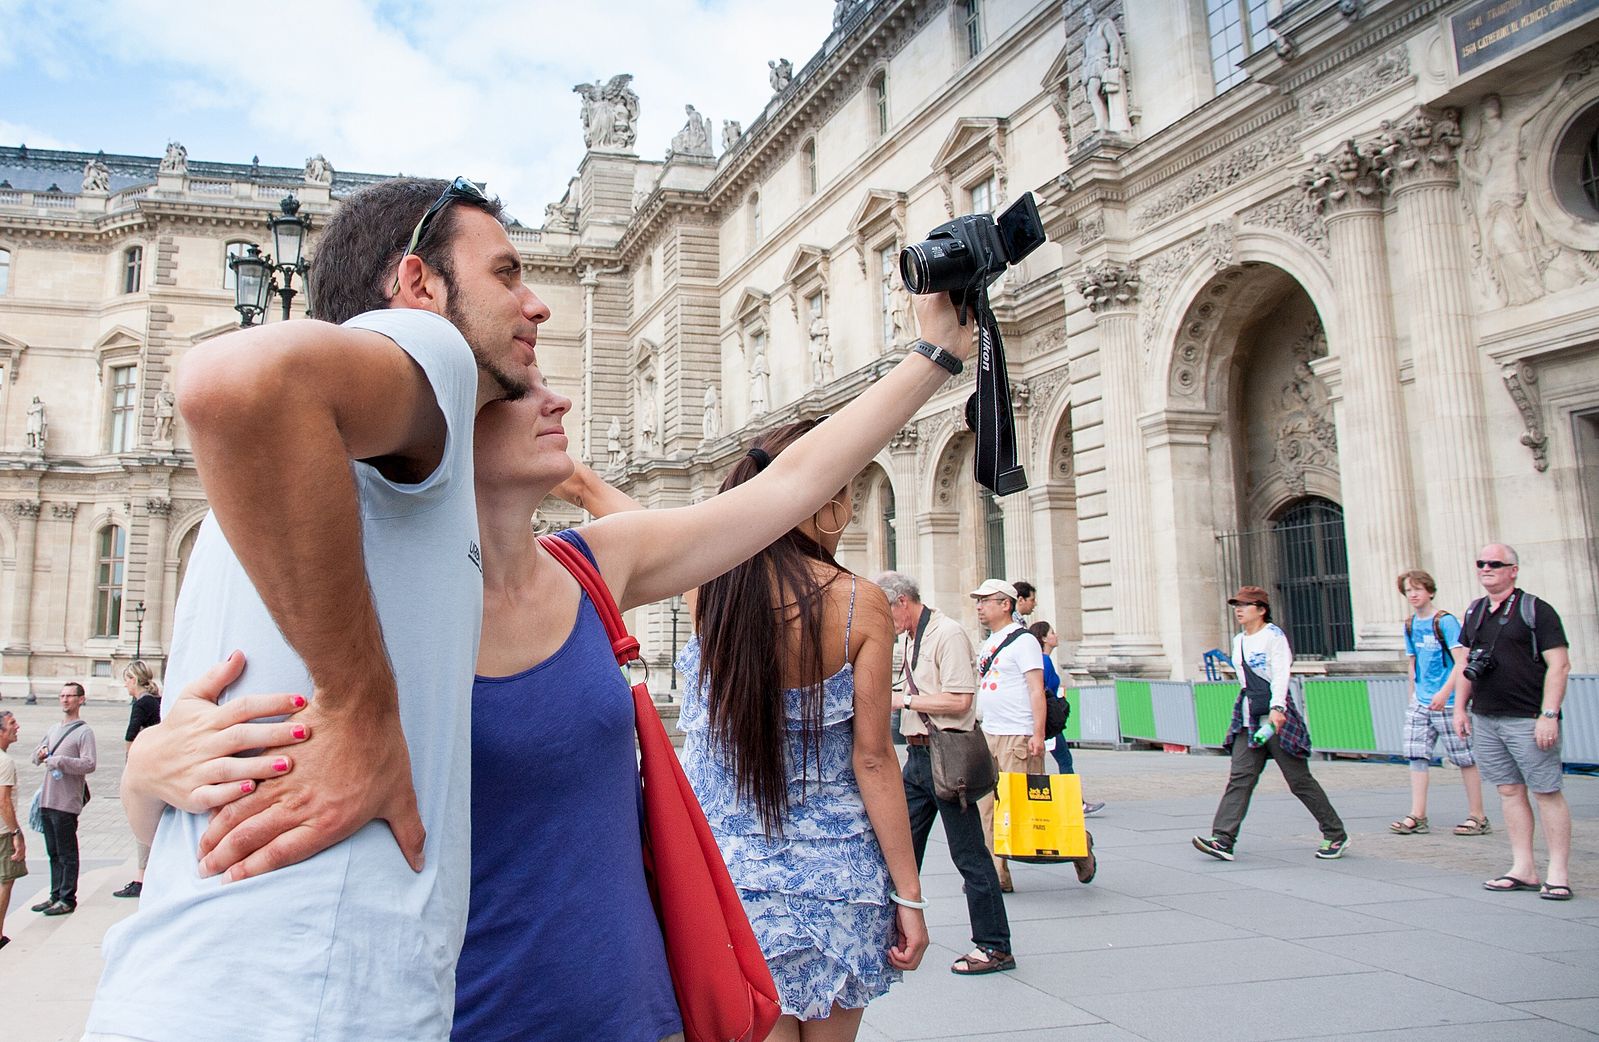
(1074, 723)
(1213, 710)
(1339, 713)
(1135, 709)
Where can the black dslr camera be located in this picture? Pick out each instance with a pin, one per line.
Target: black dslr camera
(1479, 663)
(969, 253)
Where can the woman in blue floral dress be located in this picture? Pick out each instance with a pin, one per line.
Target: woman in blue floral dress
(786, 708)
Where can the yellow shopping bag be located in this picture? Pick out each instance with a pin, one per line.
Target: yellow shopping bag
(1039, 818)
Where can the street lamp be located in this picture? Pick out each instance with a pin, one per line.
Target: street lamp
(677, 606)
(256, 276)
(138, 631)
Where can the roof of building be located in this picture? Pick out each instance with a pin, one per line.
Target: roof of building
(45, 170)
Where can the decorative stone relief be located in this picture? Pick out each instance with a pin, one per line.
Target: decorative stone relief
(1293, 214)
(1327, 100)
(1521, 380)
(1515, 260)
(1305, 435)
(1218, 175)
(1109, 287)
(1351, 175)
(1420, 147)
(610, 114)
(695, 137)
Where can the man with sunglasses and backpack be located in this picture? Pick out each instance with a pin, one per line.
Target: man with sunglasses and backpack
(1512, 683)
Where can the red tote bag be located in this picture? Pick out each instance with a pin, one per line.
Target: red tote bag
(724, 990)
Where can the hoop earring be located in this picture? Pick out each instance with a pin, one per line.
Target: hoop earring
(830, 531)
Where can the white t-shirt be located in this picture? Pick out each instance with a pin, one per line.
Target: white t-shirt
(350, 944)
(1003, 701)
(8, 776)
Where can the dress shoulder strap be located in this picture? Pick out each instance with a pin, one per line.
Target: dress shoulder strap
(849, 621)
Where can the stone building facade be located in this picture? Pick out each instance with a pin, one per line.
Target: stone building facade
(1318, 306)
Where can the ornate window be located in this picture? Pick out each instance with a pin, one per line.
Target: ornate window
(1237, 29)
(5, 271)
(123, 408)
(132, 269)
(994, 533)
(880, 102)
(808, 167)
(970, 13)
(112, 549)
(229, 276)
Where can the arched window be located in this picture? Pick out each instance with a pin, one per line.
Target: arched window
(890, 536)
(880, 102)
(994, 530)
(229, 276)
(111, 550)
(1313, 578)
(808, 166)
(132, 269)
(5, 271)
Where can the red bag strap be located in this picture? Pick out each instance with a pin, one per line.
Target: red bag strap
(623, 643)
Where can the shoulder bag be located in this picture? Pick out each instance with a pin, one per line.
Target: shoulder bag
(724, 989)
(963, 768)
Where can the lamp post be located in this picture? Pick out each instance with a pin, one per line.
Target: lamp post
(138, 631)
(256, 275)
(677, 606)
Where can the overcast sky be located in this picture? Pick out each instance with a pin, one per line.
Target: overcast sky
(482, 88)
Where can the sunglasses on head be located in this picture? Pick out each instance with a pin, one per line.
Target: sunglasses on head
(1496, 564)
(460, 188)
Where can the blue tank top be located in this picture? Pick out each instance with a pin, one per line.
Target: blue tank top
(562, 941)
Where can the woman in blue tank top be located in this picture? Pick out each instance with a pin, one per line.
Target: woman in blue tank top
(561, 940)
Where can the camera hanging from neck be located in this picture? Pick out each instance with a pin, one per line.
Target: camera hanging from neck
(988, 410)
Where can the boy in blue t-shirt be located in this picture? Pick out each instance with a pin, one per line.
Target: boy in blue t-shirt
(1432, 641)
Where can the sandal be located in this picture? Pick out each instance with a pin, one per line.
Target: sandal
(991, 961)
(1087, 867)
(1512, 884)
(1555, 892)
(1474, 826)
(1412, 825)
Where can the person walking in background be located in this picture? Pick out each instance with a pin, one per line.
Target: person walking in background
(141, 686)
(937, 659)
(1432, 642)
(13, 845)
(1050, 640)
(68, 755)
(1513, 684)
(1267, 724)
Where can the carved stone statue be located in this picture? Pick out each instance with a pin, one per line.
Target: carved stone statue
(821, 353)
(695, 137)
(732, 131)
(318, 171)
(96, 176)
(176, 161)
(38, 427)
(166, 407)
(760, 382)
(613, 443)
(782, 74)
(1105, 73)
(610, 114)
(711, 421)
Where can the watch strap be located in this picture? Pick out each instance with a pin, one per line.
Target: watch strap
(942, 357)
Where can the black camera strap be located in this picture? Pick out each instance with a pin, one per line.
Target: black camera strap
(988, 412)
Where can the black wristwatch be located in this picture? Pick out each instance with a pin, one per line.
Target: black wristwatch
(948, 361)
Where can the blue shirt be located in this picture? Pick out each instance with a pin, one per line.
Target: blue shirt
(562, 941)
(1432, 664)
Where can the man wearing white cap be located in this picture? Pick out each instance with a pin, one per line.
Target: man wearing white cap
(1010, 696)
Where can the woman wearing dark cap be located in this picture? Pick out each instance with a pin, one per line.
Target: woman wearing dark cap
(1267, 725)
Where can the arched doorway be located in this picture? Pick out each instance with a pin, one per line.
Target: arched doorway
(1312, 587)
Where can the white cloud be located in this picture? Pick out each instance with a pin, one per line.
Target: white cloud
(430, 86)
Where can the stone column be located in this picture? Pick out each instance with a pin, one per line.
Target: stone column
(17, 636)
(1419, 156)
(159, 514)
(1112, 295)
(1379, 514)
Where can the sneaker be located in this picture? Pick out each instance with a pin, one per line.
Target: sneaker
(1090, 808)
(60, 908)
(1332, 849)
(1215, 846)
(133, 889)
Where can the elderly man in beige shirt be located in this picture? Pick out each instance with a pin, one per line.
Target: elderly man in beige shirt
(939, 682)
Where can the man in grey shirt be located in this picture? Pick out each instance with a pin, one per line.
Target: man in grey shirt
(69, 757)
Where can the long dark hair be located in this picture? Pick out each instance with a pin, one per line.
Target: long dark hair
(741, 617)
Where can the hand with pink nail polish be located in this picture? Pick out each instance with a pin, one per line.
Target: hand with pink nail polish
(195, 759)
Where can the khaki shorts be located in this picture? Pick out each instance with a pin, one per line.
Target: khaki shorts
(10, 869)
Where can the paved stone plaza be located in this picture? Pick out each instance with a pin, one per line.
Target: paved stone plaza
(1397, 941)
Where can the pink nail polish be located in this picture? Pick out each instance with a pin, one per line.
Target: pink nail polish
(299, 702)
(280, 764)
(298, 732)
(247, 787)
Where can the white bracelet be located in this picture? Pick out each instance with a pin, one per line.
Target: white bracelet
(892, 896)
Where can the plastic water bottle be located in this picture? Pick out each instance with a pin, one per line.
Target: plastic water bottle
(1267, 729)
